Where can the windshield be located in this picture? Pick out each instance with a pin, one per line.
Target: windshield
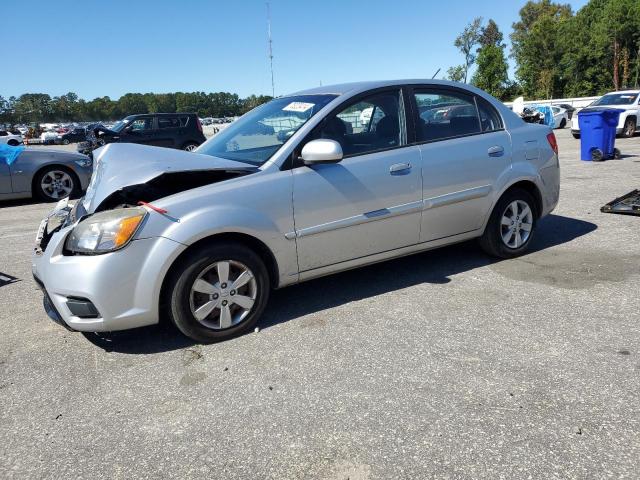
(616, 99)
(260, 133)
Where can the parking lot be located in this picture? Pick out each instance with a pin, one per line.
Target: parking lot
(447, 364)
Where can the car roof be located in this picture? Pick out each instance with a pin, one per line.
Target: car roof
(356, 87)
(623, 91)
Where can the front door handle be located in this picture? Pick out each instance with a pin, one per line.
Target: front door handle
(399, 168)
(496, 151)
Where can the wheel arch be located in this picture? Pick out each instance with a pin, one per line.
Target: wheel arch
(531, 188)
(249, 241)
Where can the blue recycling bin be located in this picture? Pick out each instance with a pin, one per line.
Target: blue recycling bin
(598, 133)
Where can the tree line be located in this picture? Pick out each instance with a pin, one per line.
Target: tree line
(41, 107)
(557, 53)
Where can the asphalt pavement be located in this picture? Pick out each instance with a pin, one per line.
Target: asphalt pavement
(446, 364)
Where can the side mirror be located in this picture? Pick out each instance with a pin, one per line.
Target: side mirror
(321, 151)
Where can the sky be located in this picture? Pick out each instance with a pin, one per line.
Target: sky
(98, 48)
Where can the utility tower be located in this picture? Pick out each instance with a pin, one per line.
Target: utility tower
(273, 86)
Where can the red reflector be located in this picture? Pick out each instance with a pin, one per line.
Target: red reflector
(553, 143)
(198, 124)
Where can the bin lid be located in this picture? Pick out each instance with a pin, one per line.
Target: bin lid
(600, 111)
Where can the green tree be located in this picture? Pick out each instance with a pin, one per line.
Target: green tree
(538, 41)
(132, 103)
(491, 75)
(466, 42)
(456, 74)
(490, 35)
(602, 47)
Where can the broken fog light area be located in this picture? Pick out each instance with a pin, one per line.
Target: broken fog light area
(628, 204)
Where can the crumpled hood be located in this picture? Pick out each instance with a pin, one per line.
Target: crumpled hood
(118, 165)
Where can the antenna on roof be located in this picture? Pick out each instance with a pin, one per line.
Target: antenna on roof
(273, 87)
(434, 75)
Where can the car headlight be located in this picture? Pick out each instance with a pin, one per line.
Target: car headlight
(105, 231)
(84, 162)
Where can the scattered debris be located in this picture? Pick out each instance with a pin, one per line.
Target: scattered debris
(579, 431)
(59, 416)
(257, 329)
(624, 352)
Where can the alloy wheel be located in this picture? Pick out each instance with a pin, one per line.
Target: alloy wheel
(223, 294)
(57, 184)
(516, 224)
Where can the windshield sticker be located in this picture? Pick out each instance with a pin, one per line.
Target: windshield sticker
(298, 107)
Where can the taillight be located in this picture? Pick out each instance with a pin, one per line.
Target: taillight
(198, 124)
(553, 143)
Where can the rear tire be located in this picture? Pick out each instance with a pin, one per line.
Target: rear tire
(496, 240)
(563, 123)
(185, 295)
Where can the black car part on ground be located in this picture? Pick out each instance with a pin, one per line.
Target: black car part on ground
(168, 183)
(628, 204)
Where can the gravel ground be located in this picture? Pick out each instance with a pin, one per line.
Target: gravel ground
(446, 364)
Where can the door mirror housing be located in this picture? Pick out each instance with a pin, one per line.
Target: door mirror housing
(321, 151)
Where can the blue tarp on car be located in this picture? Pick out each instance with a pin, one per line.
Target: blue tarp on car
(548, 114)
(9, 154)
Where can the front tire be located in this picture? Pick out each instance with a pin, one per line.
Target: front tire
(13, 143)
(217, 292)
(576, 136)
(511, 225)
(563, 123)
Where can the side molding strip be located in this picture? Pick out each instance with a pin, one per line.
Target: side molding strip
(457, 197)
(357, 220)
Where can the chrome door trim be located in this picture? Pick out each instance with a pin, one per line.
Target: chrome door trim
(457, 197)
(357, 220)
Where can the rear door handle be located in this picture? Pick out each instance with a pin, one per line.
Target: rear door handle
(399, 168)
(496, 151)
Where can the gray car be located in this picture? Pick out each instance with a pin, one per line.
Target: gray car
(48, 175)
(306, 185)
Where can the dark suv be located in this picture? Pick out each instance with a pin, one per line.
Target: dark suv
(173, 130)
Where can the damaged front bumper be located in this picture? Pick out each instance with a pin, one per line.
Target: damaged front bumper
(112, 291)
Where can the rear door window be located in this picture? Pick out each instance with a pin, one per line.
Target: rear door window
(445, 114)
(489, 118)
(168, 122)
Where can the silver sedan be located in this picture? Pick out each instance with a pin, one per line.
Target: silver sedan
(48, 175)
(306, 185)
